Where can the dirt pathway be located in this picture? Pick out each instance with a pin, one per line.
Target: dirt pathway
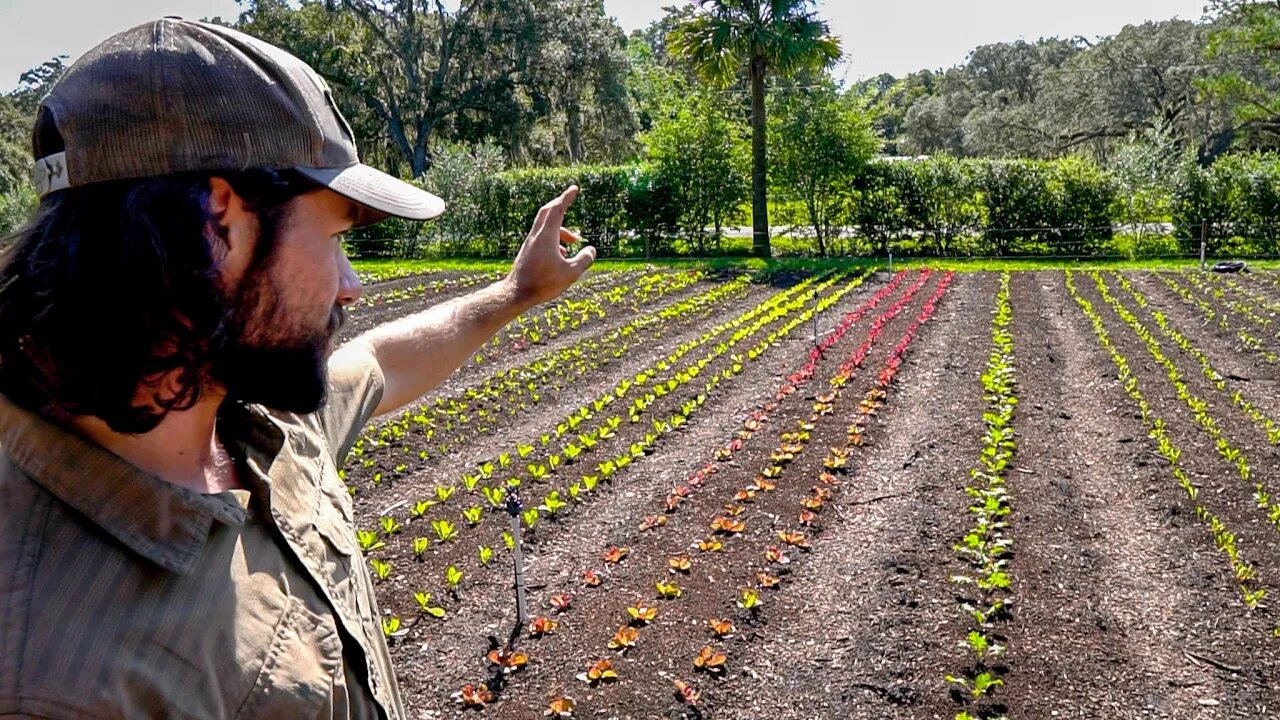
(1122, 604)
(869, 625)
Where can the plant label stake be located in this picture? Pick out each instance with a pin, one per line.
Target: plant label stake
(515, 509)
(1204, 240)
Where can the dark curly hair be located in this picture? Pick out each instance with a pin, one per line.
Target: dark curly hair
(114, 285)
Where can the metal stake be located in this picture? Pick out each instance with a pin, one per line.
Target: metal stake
(1204, 239)
(514, 507)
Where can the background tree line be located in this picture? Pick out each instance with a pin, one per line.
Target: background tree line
(454, 95)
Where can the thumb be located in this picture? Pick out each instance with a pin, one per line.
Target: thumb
(583, 260)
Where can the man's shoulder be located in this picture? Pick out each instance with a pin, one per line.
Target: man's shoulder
(50, 600)
(88, 620)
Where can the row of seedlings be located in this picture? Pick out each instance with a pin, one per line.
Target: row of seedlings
(986, 547)
(712, 658)
(1244, 573)
(554, 502)
(1213, 316)
(1229, 452)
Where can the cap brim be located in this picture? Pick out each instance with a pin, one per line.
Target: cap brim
(385, 196)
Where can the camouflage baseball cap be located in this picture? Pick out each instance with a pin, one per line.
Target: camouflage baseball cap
(175, 96)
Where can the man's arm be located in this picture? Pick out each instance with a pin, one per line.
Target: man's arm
(416, 353)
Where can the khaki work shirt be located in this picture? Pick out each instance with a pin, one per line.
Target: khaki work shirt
(122, 596)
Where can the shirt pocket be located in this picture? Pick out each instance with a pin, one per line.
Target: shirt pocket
(301, 668)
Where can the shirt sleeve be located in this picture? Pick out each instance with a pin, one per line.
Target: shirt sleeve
(355, 389)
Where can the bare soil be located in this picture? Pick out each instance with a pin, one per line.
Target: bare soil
(1124, 608)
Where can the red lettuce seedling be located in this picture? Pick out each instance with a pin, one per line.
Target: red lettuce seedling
(508, 661)
(624, 638)
(652, 521)
(728, 526)
(710, 660)
(600, 671)
(561, 707)
(476, 696)
(686, 692)
(542, 626)
(722, 628)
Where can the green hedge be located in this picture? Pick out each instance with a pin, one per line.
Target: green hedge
(1235, 202)
(934, 206)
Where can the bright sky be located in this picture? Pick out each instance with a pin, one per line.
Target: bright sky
(895, 37)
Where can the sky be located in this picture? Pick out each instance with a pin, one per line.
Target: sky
(896, 37)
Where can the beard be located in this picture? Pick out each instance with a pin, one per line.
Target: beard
(266, 356)
(287, 372)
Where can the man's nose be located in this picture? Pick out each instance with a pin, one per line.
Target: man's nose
(349, 287)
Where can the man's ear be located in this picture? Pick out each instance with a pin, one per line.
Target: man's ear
(233, 231)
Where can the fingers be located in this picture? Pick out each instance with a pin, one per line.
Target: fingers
(583, 260)
(539, 221)
(569, 237)
(552, 214)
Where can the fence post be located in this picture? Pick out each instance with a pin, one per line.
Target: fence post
(890, 262)
(1204, 238)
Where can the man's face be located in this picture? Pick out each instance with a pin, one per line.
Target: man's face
(287, 308)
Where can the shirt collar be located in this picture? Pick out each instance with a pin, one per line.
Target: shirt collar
(165, 523)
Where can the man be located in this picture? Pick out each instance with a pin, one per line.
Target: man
(174, 538)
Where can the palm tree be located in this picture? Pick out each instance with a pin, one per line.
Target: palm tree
(762, 36)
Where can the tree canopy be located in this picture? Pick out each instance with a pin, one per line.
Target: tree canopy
(485, 85)
(726, 38)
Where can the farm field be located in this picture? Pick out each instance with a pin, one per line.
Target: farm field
(845, 493)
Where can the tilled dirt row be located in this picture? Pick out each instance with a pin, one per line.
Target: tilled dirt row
(1136, 612)
(470, 446)
(713, 585)
(869, 627)
(465, 630)
(1123, 606)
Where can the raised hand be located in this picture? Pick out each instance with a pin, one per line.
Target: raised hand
(542, 269)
